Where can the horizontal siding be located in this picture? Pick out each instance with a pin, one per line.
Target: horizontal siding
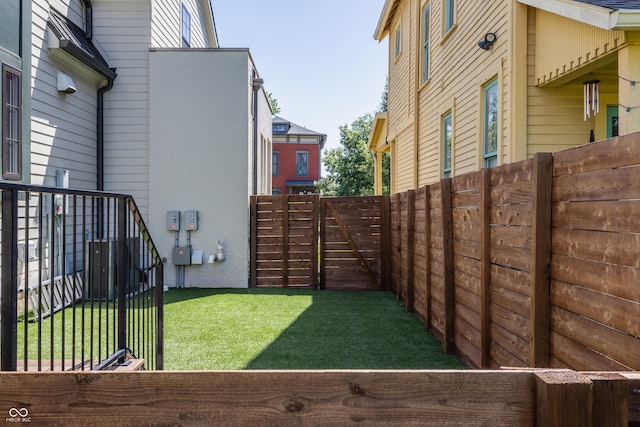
(458, 70)
(63, 126)
(124, 30)
(167, 24)
(400, 76)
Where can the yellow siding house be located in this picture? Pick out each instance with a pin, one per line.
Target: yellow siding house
(481, 83)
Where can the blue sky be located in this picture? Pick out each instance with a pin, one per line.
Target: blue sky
(317, 58)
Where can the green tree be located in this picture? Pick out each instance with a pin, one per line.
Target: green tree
(384, 99)
(273, 102)
(350, 167)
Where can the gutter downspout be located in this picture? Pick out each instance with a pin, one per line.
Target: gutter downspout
(88, 19)
(100, 134)
(257, 85)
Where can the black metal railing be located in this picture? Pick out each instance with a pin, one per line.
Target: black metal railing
(81, 282)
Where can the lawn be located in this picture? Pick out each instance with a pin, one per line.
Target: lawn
(295, 329)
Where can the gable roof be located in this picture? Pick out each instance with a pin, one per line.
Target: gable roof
(387, 14)
(72, 40)
(294, 129)
(607, 14)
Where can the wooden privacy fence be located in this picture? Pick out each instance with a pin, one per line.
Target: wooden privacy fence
(308, 241)
(535, 263)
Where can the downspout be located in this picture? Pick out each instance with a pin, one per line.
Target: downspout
(88, 19)
(257, 85)
(100, 134)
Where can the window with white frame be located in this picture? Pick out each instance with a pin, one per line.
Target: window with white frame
(490, 124)
(447, 144)
(11, 123)
(398, 41)
(302, 163)
(186, 27)
(449, 15)
(426, 17)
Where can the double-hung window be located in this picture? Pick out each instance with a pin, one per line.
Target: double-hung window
(398, 41)
(490, 124)
(449, 15)
(275, 163)
(186, 27)
(11, 124)
(426, 16)
(447, 145)
(302, 163)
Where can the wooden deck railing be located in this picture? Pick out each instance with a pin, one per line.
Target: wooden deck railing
(322, 398)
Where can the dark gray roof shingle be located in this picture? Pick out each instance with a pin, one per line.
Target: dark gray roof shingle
(614, 4)
(73, 41)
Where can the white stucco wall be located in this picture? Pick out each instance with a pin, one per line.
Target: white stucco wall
(200, 134)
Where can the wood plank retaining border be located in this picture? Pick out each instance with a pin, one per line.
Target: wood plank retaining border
(316, 398)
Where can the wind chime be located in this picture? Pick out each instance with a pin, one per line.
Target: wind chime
(591, 103)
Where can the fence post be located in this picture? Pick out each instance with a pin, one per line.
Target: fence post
(563, 398)
(385, 241)
(323, 249)
(400, 268)
(427, 254)
(485, 266)
(315, 240)
(9, 284)
(285, 241)
(449, 283)
(409, 258)
(539, 353)
(253, 266)
(122, 273)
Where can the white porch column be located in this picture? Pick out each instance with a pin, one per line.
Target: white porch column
(628, 96)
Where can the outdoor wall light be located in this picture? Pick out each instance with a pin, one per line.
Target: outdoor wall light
(488, 41)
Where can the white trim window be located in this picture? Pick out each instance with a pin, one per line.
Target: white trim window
(398, 41)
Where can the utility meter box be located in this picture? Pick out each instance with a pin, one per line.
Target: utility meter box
(181, 255)
(197, 257)
(191, 219)
(173, 220)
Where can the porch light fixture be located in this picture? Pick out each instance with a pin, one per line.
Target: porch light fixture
(488, 41)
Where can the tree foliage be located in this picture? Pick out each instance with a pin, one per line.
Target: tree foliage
(273, 102)
(350, 166)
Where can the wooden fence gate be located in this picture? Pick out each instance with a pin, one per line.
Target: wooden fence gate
(310, 242)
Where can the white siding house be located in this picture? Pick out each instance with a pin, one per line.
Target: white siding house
(155, 109)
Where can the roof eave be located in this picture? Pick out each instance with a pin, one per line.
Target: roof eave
(625, 20)
(382, 29)
(73, 50)
(587, 13)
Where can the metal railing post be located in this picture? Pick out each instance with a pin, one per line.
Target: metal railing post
(121, 273)
(160, 316)
(9, 282)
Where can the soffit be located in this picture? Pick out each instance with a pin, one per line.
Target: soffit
(606, 14)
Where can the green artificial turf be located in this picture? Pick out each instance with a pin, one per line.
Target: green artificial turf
(295, 329)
